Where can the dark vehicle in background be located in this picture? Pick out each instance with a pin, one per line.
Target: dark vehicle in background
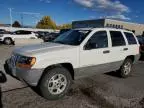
(64, 30)
(50, 37)
(41, 34)
(141, 42)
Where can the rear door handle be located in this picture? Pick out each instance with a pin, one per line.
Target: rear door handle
(106, 51)
(125, 49)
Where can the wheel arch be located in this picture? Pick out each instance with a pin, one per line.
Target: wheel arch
(67, 66)
(8, 38)
(132, 57)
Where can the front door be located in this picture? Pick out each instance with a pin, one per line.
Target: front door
(94, 57)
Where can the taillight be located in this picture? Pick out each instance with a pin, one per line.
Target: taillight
(139, 49)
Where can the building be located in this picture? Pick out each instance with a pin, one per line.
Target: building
(138, 29)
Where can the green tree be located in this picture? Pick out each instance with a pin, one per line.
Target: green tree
(16, 24)
(46, 23)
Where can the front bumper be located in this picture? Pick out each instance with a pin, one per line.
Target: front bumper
(29, 76)
(1, 39)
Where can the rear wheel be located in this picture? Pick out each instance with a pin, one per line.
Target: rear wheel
(55, 83)
(126, 68)
(8, 41)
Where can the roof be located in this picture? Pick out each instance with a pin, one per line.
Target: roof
(102, 28)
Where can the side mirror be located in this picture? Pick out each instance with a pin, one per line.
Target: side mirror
(90, 45)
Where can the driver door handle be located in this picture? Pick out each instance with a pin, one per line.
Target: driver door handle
(125, 49)
(106, 51)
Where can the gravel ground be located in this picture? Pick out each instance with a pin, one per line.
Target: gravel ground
(99, 91)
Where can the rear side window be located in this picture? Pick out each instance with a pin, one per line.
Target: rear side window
(130, 38)
(117, 38)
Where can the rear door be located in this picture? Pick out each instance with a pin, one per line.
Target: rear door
(133, 47)
(119, 49)
(18, 34)
(28, 34)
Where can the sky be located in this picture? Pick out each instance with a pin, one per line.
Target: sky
(29, 12)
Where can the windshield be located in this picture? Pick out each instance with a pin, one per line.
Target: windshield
(72, 37)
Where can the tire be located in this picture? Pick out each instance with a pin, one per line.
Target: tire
(55, 83)
(8, 41)
(126, 68)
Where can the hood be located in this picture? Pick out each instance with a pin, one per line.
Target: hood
(31, 50)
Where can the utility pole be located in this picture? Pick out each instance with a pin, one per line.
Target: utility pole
(21, 19)
(10, 10)
(22, 14)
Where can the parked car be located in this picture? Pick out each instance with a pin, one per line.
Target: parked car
(74, 54)
(141, 42)
(9, 38)
(41, 34)
(3, 31)
(50, 37)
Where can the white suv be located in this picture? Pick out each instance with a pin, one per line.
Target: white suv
(74, 54)
(22, 34)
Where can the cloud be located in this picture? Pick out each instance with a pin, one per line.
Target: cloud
(86, 3)
(48, 1)
(104, 5)
(107, 7)
(123, 17)
(45, 1)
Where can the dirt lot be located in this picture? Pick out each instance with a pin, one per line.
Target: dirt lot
(100, 91)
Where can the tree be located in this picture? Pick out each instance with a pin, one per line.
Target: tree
(16, 24)
(46, 23)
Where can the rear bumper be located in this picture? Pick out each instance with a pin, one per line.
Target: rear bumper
(29, 76)
(137, 57)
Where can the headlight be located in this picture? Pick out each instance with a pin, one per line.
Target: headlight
(25, 62)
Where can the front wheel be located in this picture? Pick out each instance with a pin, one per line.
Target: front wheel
(55, 83)
(8, 41)
(126, 68)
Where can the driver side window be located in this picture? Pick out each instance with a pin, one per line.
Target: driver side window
(98, 40)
